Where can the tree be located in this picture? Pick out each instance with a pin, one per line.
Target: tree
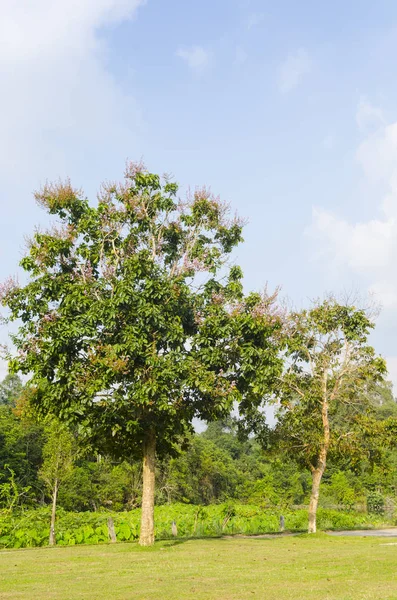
(322, 401)
(133, 323)
(204, 474)
(20, 444)
(58, 454)
(382, 399)
(10, 390)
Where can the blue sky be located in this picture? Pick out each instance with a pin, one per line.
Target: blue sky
(286, 109)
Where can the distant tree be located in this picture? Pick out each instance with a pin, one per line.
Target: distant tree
(224, 435)
(133, 323)
(382, 399)
(203, 474)
(59, 454)
(20, 448)
(10, 389)
(322, 395)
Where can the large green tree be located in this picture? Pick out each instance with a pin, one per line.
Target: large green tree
(323, 393)
(132, 321)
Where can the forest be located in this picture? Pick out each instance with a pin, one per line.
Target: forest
(218, 476)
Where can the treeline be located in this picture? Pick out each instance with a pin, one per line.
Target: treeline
(217, 466)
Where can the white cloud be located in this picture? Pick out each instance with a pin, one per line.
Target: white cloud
(385, 293)
(360, 246)
(368, 116)
(196, 57)
(368, 248)
(62, 112)
(58, 100)
(293, 70)
(29, 30)
(377, 155)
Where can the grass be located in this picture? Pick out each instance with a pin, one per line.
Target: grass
(302, 567)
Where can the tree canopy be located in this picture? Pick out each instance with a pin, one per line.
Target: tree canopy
(132, 321)
(323, 394)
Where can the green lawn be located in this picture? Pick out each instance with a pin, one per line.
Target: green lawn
(305, 568)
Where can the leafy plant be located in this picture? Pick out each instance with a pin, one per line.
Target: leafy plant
(375, 503)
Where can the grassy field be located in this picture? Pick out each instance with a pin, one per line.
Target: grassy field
(304, 568)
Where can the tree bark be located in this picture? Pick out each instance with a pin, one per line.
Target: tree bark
(52, 540)
(147, 519)
(318, 472)
(111, 530)
(316, 480)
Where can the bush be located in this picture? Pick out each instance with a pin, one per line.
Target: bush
(375, 503)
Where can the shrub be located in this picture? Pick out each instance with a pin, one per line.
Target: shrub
(375, 503)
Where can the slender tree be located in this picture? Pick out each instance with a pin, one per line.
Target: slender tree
(58, 458)
(322, 393)
(10, 390)
(133, 323)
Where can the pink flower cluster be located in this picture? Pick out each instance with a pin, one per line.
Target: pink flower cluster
(238, 308)
(7, 287)
(83, 271)
(218, 298)
(260, 310)
(269, 307)
(133, 168)
(224, 387)
(49, 317)
(204, 193)
(194, 263)
(57, 195)
(199, 318)
(108, 271)
(64, 232)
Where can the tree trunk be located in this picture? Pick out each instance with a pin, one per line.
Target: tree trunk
(316, 478)
(318, 472)
(147, 520)
(53, 513)
(111, 531)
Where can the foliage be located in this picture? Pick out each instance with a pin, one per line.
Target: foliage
(216, 467)
(132, 322)
(323, 394)
(10, 492)
(31, 528)
(10, 390)
(21, 445)
(375, 503)
(58, 455)
(329, 363)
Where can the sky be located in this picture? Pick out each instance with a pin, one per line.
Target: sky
(288, 110)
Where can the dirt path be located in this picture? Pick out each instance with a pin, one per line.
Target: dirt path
(389, 532)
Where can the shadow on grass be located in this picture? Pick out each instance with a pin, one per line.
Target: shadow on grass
(168, 543)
